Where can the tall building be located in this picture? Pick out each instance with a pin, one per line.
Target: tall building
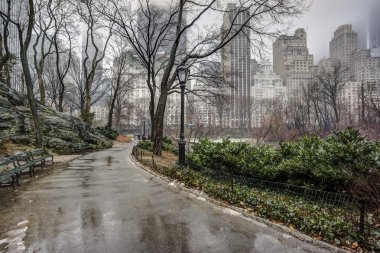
(18, 12)
(236, 64)
(267, 91)
(293, 63)
(150, 29)
(349, 99)
(343, 44)
(362, 70)
(203, 107)
(374, 29)
(364, 67)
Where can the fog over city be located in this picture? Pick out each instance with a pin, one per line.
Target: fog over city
(320, 21)
(325, 16)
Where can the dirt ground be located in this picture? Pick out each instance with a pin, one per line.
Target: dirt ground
(167, 160)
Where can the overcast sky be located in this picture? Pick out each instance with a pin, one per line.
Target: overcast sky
(325, 16)
(320, 21)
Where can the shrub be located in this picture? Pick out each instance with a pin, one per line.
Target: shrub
(107, 132)
(328, 164)
(167, 145)
(147, 145)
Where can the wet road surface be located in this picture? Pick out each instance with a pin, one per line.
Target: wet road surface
(102, 202)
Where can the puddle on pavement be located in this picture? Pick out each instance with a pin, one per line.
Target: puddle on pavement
(14, 240)
(91, 218)
(84, 182)
(161, 230)
(89, 168)
(109, 160)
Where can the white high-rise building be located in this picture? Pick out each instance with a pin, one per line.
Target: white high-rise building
(349, 99)
(203, 106)
(343, 44)
(267, 91)
(364, 67)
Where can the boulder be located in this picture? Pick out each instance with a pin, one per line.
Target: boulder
(62, 133)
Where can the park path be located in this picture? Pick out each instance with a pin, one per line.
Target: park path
(103, 202)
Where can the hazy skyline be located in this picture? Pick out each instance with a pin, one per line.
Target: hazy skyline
(325, 16)
(320, 22)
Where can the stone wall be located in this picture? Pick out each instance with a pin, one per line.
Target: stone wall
(61, 133)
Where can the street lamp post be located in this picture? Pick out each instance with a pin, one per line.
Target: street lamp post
(144, 134)
(182, 74)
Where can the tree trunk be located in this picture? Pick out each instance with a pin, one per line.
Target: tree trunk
(151, 112)
(159, 123)
(112, 107)
(86, 114)
(160, 111)
(41, 86)
(28, 79)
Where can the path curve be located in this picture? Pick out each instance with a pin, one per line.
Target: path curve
(103, 202)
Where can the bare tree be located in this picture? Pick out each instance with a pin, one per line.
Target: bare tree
(373, 97)
(43, 25)
(62, 15)
(91, 60)
(148, 31)
(207, 45)
(122, 79)
(262, 13)
(332, 81)
(7, 59)
(25, 29)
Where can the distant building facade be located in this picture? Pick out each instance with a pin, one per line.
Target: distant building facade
(18, 12)
(374, 29)
(343, 44)
(362, 71)
(268, 88)
(364, 67)
(236, 63)
(293, 63)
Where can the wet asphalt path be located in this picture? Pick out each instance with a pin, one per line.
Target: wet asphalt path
(102, 202)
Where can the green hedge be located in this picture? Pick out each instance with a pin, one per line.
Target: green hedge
(328, 164)
(332, 224)
(107, 132)
(167, 145)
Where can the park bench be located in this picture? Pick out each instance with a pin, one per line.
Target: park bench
(24, 161)
(81, 147)
(14, 166)
(8, 173)
(40, 155)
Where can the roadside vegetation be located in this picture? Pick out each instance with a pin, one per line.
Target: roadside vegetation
(167, 145)
(108, 132)
(345, 162)
(333, 164)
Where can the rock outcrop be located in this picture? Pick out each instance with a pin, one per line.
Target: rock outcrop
(62, 133)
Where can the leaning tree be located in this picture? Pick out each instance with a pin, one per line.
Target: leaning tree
(184, 24)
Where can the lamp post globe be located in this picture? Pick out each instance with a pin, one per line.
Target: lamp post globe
(183, 74)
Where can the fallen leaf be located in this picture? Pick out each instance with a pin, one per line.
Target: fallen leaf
(355, 245)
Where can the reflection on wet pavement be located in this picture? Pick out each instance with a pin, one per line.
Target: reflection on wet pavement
(103, 202)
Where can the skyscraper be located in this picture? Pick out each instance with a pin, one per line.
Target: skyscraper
(374, 30)
(236, 62)
(17, 12)
(158, 28)
(292, 62)
(343, 44)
